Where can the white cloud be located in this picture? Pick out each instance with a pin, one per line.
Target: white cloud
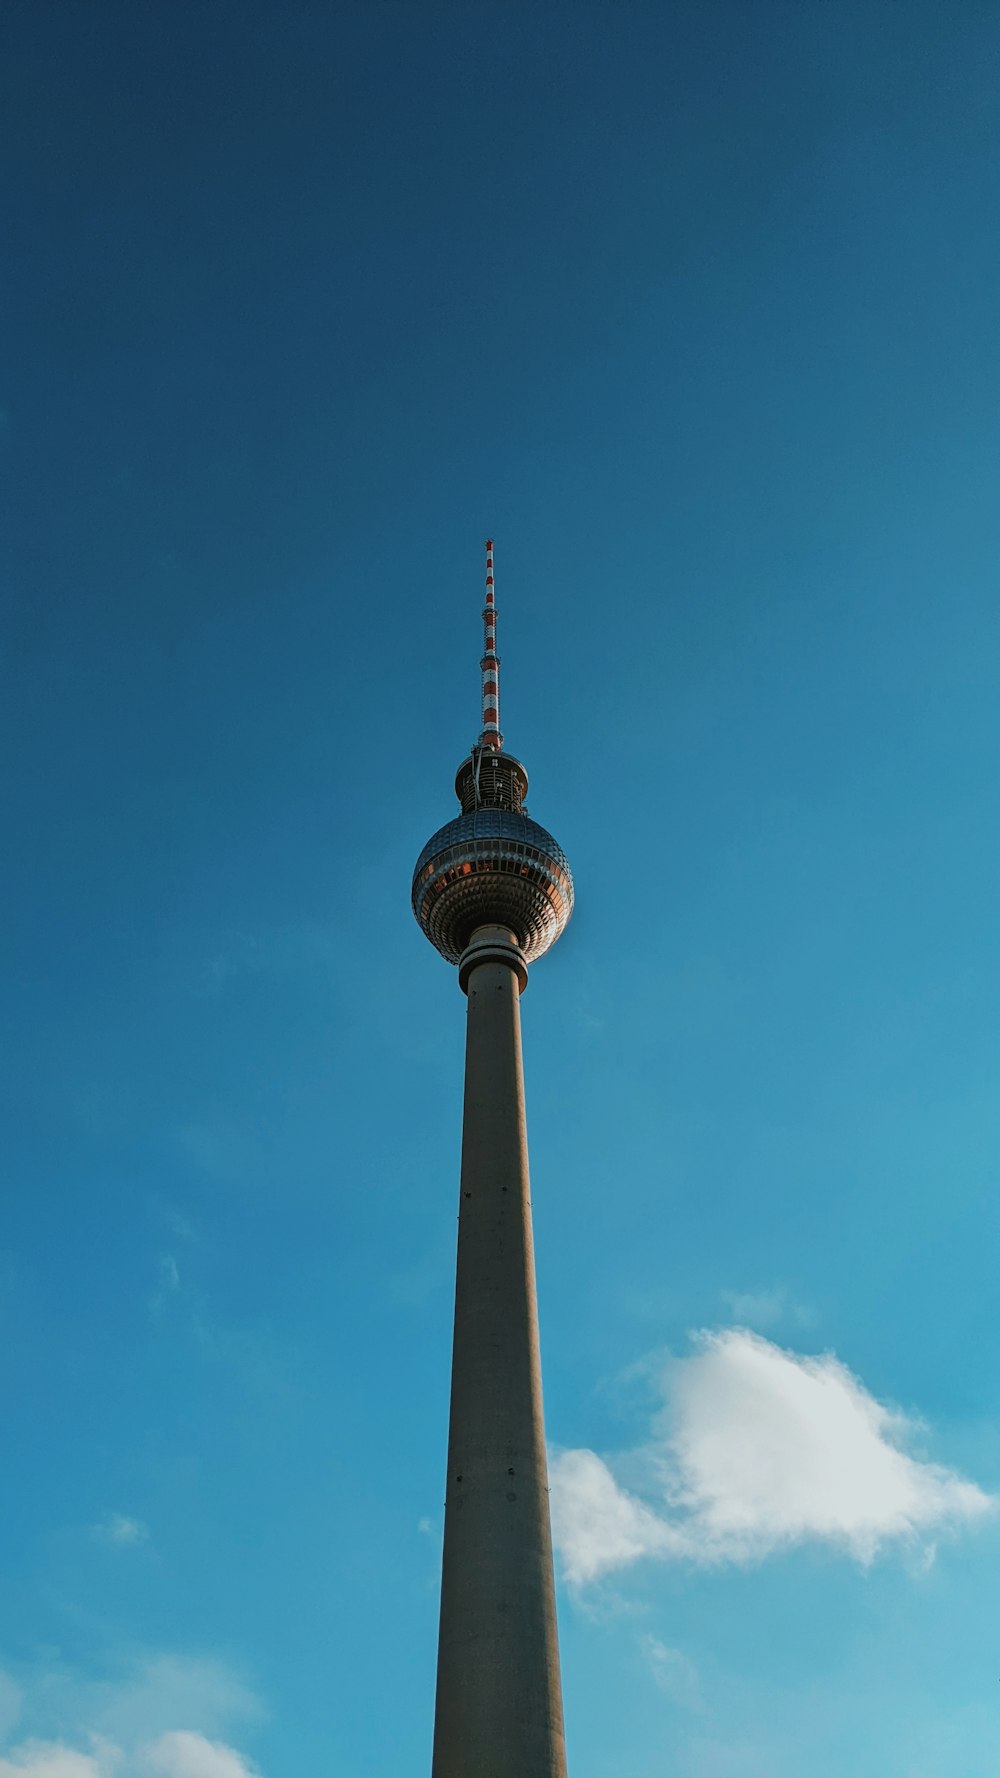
(672, 1672)
(183, 1754)
(596, 1524)
(757, 1449)
(118, 1528)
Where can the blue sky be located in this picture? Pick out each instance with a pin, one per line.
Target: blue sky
(692, 308)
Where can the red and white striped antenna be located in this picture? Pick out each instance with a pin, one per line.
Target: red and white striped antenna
(490, 664)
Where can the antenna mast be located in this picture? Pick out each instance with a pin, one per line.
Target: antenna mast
(491, 737)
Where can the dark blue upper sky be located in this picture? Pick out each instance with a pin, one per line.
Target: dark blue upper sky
(694, 309)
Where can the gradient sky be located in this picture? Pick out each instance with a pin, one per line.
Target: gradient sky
(693, 307)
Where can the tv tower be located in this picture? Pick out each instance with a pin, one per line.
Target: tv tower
(492, 891)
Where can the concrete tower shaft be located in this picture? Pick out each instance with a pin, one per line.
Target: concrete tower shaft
(499, 1704)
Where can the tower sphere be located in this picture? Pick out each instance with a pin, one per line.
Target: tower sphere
(492, 866)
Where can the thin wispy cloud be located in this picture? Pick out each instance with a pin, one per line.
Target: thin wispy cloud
(285, 951)
(10, 1704)
(754, 1450)
(672, 1672)
(765, 1308)
(168, 1283)
(120, 1529)
(219, 1147)
(163, 1691)
(170, 1277)
(178, 1224)
(264, 1365)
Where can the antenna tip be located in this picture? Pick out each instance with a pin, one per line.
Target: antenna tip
(489, 543)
